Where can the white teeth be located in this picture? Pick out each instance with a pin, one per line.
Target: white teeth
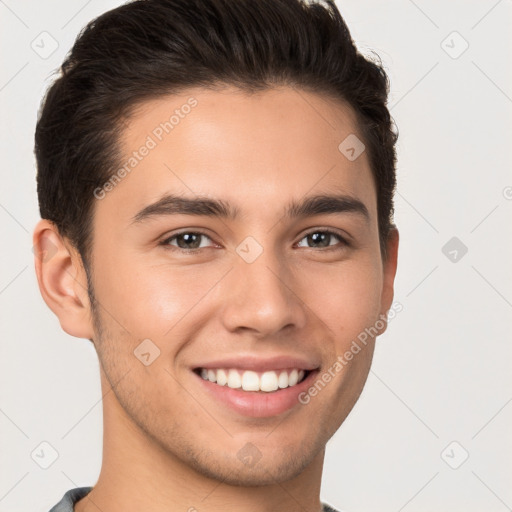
(283, 380)
(234, 380)
(222, 378)
(268, 381)
(292, 379)
(252, 381)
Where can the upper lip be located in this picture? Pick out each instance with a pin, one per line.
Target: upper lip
(260, 364)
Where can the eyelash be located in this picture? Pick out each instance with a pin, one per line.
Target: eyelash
(344, 243)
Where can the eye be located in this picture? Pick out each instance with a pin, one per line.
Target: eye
(323, 238)
(194, 240)
(187, 240)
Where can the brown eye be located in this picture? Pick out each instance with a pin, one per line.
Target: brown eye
(187, 240)
(323, 239)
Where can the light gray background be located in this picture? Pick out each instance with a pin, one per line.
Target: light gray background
(442, 371)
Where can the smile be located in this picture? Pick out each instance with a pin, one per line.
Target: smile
(255, 394)
(268, 381)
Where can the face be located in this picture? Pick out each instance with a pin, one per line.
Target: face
(242, 239)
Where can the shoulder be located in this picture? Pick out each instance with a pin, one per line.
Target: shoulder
(69, 499)
(328, 508)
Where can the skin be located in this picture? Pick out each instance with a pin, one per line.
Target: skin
(166, 443)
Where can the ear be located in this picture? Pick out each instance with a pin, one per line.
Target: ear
(389, 272)
(62, 280)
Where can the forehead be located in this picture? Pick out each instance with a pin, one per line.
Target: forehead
(255, 150)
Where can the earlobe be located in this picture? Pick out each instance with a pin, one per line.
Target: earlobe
(62, 280)
(389, 272)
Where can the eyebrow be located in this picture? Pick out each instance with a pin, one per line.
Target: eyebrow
(204, 206)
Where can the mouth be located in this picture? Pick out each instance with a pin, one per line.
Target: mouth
(250, 381)
(262, 394)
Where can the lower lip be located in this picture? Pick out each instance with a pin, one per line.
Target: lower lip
(258, 404)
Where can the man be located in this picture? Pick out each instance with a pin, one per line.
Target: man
(216, 190)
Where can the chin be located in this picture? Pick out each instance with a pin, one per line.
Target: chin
(260, 474)
(250, 467)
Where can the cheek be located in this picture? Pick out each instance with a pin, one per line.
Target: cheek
(151, 299)
(346, 297)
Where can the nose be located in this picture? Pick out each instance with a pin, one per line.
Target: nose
(261, 298)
